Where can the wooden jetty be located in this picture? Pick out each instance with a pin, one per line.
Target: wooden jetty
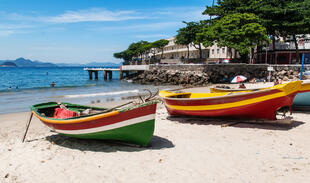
(107, 72)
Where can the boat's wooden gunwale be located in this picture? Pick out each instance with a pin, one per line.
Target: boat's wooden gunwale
(222, 90)
(305, 81)
(81, 119)
(78, 120)
(235, 90)
(228, 95)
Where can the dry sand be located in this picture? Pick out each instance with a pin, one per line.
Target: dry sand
(182, 150)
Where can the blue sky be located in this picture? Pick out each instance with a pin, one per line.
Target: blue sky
(82, 31)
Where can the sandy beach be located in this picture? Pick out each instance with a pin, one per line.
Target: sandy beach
(182, 150)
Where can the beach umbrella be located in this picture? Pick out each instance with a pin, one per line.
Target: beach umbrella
(238, 79)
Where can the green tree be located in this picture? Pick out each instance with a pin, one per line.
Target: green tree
(147, 47)
(160, 44)
(134, 50)
(153, 49)
(142, 48)
(188, 35)
(137, 49)
(297, 21)
(239, 31)
(280, 17)
(183, 38)
(125, 55)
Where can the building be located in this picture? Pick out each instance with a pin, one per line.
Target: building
(173, 53)
(284, 52)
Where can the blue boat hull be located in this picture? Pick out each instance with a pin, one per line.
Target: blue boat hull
(302, 99)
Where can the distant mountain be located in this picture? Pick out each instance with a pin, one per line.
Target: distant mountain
(8, 64)
(91, 64)
(21, 62)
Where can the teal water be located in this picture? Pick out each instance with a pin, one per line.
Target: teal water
(23, 87)
(41, 78)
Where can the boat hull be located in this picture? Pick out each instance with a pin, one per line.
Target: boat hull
(260, 110)
(133, 126)
(302, 99)
(262, 104)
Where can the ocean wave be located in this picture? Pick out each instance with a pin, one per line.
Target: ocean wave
(43, 88)
(100, 94)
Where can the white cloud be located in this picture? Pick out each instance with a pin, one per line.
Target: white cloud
(140, 27)
(182, 13)
(104, 15)
(14, 26)
(5, 33)
(152, 36)
(93, 15)
(9, 29)
(154, 26)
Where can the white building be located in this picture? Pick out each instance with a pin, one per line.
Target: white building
(174, 53)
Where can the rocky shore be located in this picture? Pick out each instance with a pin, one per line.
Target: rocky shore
(202, 75)
(173, 77)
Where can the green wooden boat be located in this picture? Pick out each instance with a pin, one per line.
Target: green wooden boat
(133, 124)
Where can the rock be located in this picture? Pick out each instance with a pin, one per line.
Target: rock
(285, 78)
(204, 74)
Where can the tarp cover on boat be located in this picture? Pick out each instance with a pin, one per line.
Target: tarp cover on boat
(64, 113)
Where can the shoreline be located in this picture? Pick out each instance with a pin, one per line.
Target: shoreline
(21, 101)
(183, 149)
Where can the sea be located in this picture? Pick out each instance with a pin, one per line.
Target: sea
(21, 87)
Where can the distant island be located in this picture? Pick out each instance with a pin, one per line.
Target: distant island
(8, 64)
(22, 62)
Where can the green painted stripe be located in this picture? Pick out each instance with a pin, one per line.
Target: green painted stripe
(140, 133)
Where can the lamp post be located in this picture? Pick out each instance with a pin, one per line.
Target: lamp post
(302, 65)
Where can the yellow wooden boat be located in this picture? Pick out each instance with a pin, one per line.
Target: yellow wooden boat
(260, 104)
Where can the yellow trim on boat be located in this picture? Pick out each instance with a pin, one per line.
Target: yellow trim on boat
(79, 120)
(227, 105)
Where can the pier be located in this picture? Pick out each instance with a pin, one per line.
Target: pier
(108, 72)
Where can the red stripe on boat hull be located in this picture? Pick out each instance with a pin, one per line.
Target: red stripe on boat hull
(304, 91)
(122, 116)
(260, 110)
(213, 101)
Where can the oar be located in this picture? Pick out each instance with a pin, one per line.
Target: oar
(27, 126)
(111, 109)
(151, 96)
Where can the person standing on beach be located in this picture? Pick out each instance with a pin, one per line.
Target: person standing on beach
(52, 84)
(276, 82)
(242, 85)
